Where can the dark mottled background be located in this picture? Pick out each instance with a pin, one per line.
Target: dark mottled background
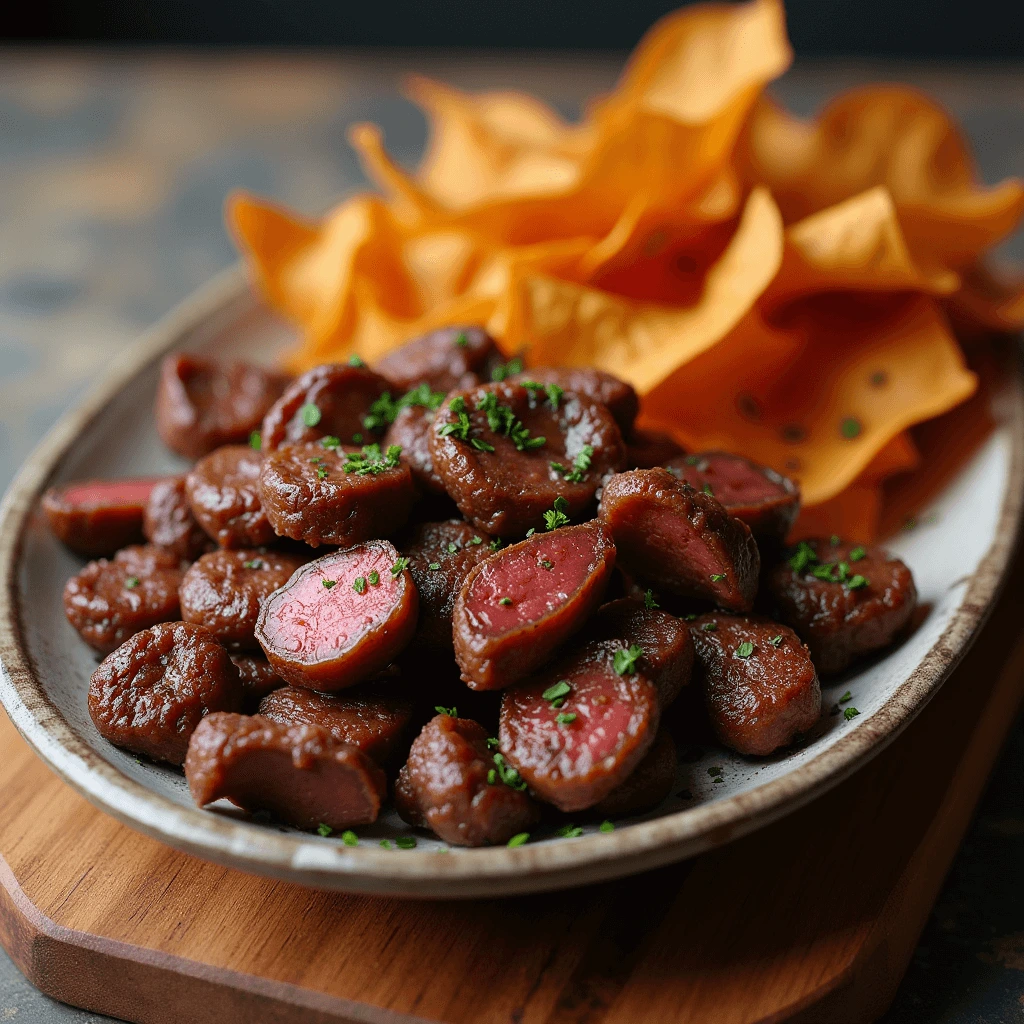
(114, 166)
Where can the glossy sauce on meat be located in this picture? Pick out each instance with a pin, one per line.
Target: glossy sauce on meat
(519, 605)
(646, 449)
(648, 784)
(445, 359)
(597, 385)
(258, 678)
(411, 432)
(168, 521)
(223, 493)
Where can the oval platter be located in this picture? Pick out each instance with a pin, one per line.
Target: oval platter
(959, 555)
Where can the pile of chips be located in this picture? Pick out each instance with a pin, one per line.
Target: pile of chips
(774, 287)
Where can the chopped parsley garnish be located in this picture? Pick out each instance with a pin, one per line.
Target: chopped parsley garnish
(560, 689)
(492, 776)
(624, 660)
(310, 414)
(856, 554)
(689, 616)
(519, 839)
(370, 461)
(328, 584)
(359, 584)
(850, 427)
(709, 627)
(476, 540)
(452, 548)
(606, 827)
(802, 557)
(354, 360)
(321, 473)
(324, 830)
(357, 438)
(745, 649)
(481, 446)
(580, 465)
(506, 601)
(349, 838)
(850, 713)
(459, 429)
(834, 540)
(553, 391)
(385, 409)
(776, 641)
(131, 582)
(545, 564)
(434, 566)
(495, 545)
(556, 517)
(406, 842)
(449, 712)
(714, 770)
(254, 563)
(649, 602)
(256, 440)
(386, 843)
(331, 442)
(399, 567)
(569, 832)
(461, 341)
(506, 370)
(508, 774)
(374, 578)
(717, 576)
(493, 743)
(530, 532)
(707, 489)
(856, 582)
(846, 698)
(565, 717)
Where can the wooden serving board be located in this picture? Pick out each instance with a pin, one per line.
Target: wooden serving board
(813, 918)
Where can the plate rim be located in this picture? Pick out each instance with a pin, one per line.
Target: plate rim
(491, 871)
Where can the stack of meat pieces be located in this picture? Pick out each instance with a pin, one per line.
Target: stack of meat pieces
(356, 549)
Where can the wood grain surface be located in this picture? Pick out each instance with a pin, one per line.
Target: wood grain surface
(815, 916)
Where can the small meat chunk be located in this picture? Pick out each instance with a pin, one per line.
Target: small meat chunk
(335, 495)
(452, 785)
(666, 656)
(651, 781)
(332, 400)
(760, 687)
(258, 678)
(441, 556)
(224, 494)
(95, 518)
(446, 359)
(765, 500)
(109, 601)
(150, 694)
(341, 618)
(597, 385)
(579, 730)
(681, 539)
(517, 607)
(375, 718)
(202, 404)
(646, 449)
(411, 432)
(299, 773)
(225, 590)
(844, 600)
(487, 447)
(168, 521)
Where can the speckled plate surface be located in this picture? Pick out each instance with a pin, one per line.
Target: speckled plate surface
(959, 555)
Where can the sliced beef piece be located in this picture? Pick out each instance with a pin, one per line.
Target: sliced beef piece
(579, 730)
(109, 601)
(452, 785)
(441, 555)
(845, 600)
(335, 495)
(760, 687)
(650, 782)
(446, 359)
(202, 404)
(765, 500)
(375, 717)
(225, 590)
(646, 449)
(168, 521)
(150, 694)
(518, 606)
(223, 491)
(95, 518)
(341, 618)
(411, 432)
(681, 539)
(328, 401)
(258, 678)
(664, 640)
(486, 446)
(299, 773)
(597, 385)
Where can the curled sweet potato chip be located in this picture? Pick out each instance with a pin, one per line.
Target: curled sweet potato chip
(782, 288)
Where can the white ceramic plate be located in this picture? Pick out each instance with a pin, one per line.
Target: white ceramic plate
(958, 557)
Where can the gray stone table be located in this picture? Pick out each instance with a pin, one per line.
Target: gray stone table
(114, 167)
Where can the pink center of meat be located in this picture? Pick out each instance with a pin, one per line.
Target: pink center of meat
(104, 493)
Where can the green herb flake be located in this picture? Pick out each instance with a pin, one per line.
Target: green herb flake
(509, 369)
(349, 838)
(448, 712)
(850, 428)
(434, 566)
(606, 827)
(834, 540)
(649, 601)
(718, 779)
(253, 563)
(569, 832)
(850, 713)
(492, 776)
(714, 770)
(399, 567)
(556, 516)
(745, 649)
(689, 616)
(452, 548)
(370, 461)
(776, 641)
(357, 438)
(560, 689)
(856, 554)
(386, 843)
(530, 532)
(495, 545)
(359, 584)
(717, 577)
(709, 627)
(354, 360)
(519, 840)
(707, 489)
(508, 774)
(856, 582)
(131, 582)
(310, 414)
(476, 540)
(546, 564)
(374, 578)
(328, 584)
(481, 446)
(846, 698)
(406, 843)
(565, 717)
(493, 743)
(461, 341)
(324, 830)
(321, 473)
(255, 440)
(624, 660)
(331, 442)
(802, 557)
(506, 601)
